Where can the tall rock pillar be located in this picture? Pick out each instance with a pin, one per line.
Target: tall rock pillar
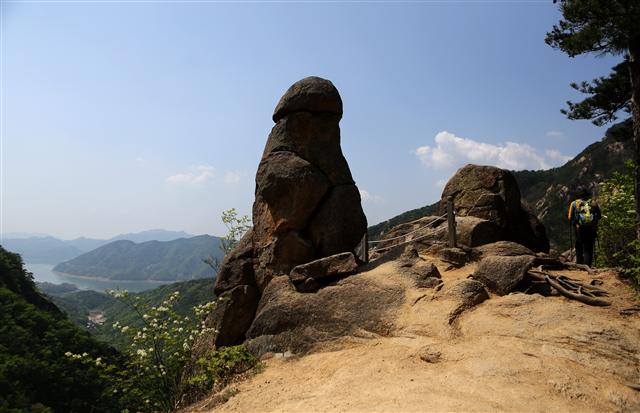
(306, 207)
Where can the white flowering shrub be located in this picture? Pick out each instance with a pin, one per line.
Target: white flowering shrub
(157, 353)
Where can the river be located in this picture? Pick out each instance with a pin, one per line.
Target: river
(44, 272)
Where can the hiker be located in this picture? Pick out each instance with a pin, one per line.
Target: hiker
(584, 214)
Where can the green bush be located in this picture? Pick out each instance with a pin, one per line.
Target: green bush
(618, 246)
(218, 367)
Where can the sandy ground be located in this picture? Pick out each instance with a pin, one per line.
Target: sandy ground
(516, 353)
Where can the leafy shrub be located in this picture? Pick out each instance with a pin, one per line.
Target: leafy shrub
(236, 228)
(218, 367)
(618, 246)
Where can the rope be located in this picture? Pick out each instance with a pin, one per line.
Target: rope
(403, 243)
(408, 233)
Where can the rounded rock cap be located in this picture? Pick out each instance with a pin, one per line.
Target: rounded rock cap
(311, 94)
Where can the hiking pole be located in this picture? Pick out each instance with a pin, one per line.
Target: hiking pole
(571, 242)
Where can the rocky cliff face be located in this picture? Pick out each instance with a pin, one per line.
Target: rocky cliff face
(307, 205)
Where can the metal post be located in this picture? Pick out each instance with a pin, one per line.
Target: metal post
(451, 221)
(362, 249)
(365, 247)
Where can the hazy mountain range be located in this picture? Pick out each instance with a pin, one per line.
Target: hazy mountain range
(45, 249)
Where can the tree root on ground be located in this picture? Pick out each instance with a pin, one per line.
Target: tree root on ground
(630, 310)
(571, 288)
(554, 263)
(635, 387)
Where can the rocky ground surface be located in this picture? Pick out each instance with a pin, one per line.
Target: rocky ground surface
(441, 352)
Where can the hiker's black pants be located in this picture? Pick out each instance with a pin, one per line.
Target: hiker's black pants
(585, 239)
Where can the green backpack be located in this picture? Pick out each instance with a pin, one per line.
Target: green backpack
(584, 212)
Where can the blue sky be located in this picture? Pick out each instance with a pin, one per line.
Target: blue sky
(121, 117)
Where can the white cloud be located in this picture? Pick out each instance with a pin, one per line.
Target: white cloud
(367, 197)
(554, 134)
(452, 151)
(231, 177)
(200, 175)
(555, 155)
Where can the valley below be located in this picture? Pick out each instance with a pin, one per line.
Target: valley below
(45, 273)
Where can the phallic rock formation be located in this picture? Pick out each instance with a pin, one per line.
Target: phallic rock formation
(306, 207)
(492, 194)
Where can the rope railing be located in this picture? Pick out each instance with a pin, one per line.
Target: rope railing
(405, 242)
(451, 232)
(409, 233)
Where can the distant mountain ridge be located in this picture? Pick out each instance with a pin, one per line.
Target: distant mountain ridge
(547, 193)
(45, 249)
(42, 250)
(124, 260)
(152, 235)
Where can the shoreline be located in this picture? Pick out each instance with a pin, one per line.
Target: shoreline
(109, 280)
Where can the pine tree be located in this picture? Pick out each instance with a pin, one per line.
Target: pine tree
(607, 97)
(606, 27)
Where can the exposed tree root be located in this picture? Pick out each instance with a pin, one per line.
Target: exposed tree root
(635, 387)
(571, 288)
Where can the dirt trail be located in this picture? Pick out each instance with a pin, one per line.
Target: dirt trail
(520, 353)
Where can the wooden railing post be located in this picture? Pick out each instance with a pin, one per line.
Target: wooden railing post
(362, 249)
(451, 221)
(365, 247)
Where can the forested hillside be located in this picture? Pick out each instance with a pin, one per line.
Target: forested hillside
(78, 304)
(176, 260)
(35, 373)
